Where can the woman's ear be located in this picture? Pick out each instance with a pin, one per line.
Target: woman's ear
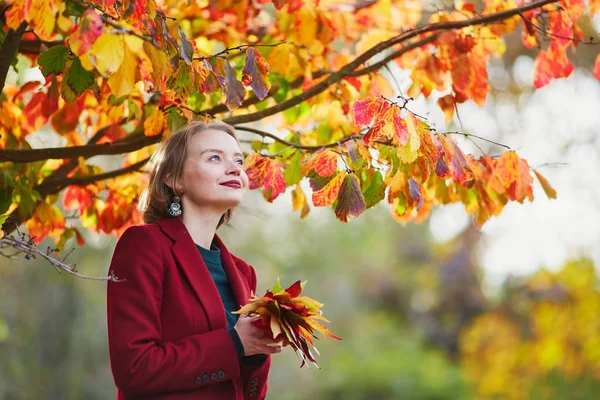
(169, 180)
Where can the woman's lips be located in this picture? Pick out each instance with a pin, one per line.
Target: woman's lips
(235, 185)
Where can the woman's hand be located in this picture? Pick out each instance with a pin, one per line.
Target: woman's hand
(253, 338)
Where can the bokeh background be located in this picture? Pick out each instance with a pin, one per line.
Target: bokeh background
(440, 310)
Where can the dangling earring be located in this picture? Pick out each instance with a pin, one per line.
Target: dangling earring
(175, 207)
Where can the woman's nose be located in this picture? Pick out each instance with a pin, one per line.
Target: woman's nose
(234, 168)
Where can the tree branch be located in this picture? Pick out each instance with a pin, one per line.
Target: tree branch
(8, 51)
(130, 143)
(348, 68)
(26, 246)
(296, 145)
(58, 185)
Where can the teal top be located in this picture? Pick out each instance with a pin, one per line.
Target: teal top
(212, 259)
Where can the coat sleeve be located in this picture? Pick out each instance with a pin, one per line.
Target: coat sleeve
(141, 363)
(255, 377)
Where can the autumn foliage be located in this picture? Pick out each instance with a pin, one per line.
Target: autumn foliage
(118, 76)
(291, 318)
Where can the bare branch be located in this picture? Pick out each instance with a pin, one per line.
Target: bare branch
(296, 145)
(26, 246)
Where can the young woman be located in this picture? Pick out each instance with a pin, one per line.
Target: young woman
(171, 334)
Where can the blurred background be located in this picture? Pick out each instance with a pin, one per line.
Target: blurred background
(440, 310)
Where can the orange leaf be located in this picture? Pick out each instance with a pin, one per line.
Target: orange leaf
(155, 123)
(327, 195)
(274, 181)
(446, 103)
(597, 67)
(550, 192)
(323, 162)
(594, 7)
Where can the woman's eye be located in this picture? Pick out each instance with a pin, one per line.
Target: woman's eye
(214, 158)
(240, 162)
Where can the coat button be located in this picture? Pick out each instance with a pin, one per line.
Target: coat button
(221, 374)
(252, 393)
(255, 379)
(205, 378)
(213, 376)
(198, 380)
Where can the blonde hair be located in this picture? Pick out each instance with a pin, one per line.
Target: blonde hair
(168, 160)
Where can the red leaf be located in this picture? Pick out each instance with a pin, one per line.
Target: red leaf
(597, 67)
(264, 171)
(365, 110)
(551, 63)
(255, 73)
(295, 289)
(353, 81)
(88, 30)
(351, 202)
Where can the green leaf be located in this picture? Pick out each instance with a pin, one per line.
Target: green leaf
(67, 93)
(116, 101)
(175, 120)
(75, 9)
(284, 88)
(6, 195)
(78, 78)
(2, 220)
(257, 145)
(277, 287)
(302, 284)
(26, 197)
(375, 191)
(293, 173)
(54, 60)
(181, 82)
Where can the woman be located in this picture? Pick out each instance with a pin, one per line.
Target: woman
(171, 333)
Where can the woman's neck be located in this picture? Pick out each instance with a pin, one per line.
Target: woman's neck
(201, 225)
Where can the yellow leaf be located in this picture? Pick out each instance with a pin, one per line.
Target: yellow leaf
(42, 17)
(155, 123)
(106, 55)
(122, 82)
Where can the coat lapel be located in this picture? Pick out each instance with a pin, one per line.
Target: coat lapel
(190, 261)
(239, 284)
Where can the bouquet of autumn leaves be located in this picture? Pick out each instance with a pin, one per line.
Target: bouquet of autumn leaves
(290, 317)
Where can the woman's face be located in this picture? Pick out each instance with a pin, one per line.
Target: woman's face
(213, 174)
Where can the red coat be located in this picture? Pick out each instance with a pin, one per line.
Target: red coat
(167, 333)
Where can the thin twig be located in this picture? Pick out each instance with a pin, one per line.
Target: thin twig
(243, 46)
(478, 137)
(26, 245)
